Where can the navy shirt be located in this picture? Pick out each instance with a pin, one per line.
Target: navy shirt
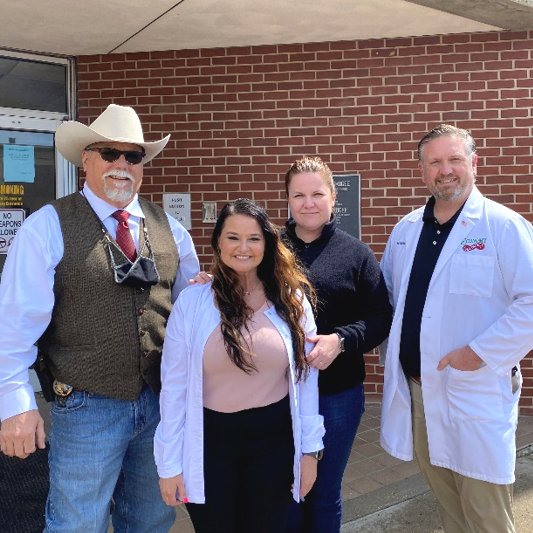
(428, 249)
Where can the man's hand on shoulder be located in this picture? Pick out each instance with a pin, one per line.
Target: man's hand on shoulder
(201, 278)
(462, 359)
(22, 434)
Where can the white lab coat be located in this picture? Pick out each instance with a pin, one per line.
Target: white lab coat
(481, 295)
(178, 444)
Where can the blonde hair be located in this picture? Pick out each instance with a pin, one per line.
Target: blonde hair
(311, 164)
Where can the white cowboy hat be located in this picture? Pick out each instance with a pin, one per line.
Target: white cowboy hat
(116, 124)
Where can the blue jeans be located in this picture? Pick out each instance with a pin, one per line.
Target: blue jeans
(101, 451)
(322, 510)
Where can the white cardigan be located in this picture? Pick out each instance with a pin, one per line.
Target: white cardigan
(178, 443)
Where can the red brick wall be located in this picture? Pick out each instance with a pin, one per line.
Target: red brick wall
(239, 116)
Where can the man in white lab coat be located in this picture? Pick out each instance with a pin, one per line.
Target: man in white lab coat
(460, 276)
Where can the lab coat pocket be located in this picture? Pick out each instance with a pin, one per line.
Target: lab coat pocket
(472, 275)
(474, 395)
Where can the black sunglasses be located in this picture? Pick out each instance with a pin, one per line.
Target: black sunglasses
(133, 157)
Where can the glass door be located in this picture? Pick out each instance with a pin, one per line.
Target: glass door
(36, 94)
(27, 179)
(31, 175)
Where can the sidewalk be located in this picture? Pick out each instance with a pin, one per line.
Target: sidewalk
(384, 494)
(403, 501)
(416, 510)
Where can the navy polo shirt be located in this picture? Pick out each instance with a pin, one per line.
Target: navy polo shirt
(428, 249)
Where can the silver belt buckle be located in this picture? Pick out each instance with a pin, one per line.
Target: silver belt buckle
(62, 389)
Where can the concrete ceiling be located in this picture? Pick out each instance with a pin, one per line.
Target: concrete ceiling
(72, 28)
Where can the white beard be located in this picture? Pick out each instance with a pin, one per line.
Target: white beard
(116, 193)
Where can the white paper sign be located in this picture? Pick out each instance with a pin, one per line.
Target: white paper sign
(178, 205)
(10, 222)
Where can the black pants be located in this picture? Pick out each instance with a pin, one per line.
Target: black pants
(248, 471)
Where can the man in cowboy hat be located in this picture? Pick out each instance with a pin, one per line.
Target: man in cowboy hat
(90, 279)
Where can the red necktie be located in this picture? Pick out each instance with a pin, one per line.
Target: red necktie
(124, 238)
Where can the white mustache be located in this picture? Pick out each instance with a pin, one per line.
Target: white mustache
(118, 174)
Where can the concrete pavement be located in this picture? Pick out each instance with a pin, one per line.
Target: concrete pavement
(409, 505)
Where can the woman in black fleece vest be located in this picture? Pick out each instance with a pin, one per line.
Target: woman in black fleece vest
(353, 317)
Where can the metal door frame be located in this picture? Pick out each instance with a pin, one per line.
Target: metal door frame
(46, 121)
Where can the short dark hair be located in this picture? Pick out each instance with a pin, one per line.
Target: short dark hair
(446, 130)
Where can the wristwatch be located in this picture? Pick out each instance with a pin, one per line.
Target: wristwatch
(341, 342)
(317, 455)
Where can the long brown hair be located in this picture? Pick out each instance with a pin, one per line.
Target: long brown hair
(283, 281)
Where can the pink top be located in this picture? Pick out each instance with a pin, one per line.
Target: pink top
(228, 389)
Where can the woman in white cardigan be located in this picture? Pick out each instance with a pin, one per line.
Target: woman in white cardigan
(239, 403)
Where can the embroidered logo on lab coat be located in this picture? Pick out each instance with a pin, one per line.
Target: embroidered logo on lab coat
(473, 244)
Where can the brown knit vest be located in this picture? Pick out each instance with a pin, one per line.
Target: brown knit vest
(104, 337)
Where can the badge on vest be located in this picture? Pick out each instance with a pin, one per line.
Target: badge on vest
(62, 389)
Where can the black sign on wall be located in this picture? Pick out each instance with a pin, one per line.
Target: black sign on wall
(348, 206)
